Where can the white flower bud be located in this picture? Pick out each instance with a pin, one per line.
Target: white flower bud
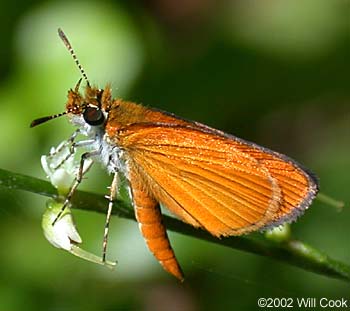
(63, 232)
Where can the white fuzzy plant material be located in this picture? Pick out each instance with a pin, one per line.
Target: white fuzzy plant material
(62, 170)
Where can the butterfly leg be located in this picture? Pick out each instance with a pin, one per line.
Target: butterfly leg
(111, 198)
(82, 170)
(149, 217)
(63, 151)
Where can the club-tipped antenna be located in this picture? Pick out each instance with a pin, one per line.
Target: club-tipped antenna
(71, 51)
(44, 119)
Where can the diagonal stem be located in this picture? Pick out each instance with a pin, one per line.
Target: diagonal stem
(293, 252)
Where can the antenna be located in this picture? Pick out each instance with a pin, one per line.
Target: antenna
(71, 51)
(44, 119)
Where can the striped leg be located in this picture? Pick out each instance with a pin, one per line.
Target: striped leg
(76, 183)
(111, 198)
(149, 217)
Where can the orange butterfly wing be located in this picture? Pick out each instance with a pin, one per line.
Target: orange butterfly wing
(214, 180)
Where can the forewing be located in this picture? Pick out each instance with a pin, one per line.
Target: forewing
(213, 180)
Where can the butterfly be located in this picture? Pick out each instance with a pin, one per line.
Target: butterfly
(207, 178)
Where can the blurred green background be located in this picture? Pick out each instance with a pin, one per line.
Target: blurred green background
(273, 72)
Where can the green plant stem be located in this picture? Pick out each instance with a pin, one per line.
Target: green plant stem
(293, 252)
(338, 205)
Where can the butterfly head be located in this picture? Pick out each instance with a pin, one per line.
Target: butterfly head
(93, 106)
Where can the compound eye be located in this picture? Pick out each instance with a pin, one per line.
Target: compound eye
(93, 116)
